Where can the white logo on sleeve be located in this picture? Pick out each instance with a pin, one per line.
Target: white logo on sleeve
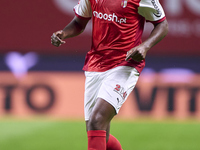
(109, 17)
(158, 13)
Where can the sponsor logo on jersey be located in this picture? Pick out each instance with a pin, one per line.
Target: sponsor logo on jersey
(124, 3)
(109, 17)
(158, 13)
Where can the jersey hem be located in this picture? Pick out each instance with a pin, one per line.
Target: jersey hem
(139, 67)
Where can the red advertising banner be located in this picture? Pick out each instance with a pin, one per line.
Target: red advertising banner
(27, 26)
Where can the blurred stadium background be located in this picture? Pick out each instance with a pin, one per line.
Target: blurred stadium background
(41, 87)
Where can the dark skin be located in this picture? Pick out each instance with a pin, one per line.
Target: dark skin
(74, 28)
(103, 112)
(138, 53)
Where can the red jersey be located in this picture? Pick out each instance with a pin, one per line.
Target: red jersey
(117, 27)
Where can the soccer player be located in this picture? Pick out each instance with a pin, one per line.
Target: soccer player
(115, 60)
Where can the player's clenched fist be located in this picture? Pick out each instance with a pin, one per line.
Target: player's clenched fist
(137, 53)
(56, 38)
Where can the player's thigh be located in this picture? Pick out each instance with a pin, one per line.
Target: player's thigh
(102, 114)
(103, 111)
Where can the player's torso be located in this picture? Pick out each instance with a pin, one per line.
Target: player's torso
(115, 23)
(117, 27)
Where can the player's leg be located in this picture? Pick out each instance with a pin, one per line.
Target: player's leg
(112, 143)
(101, 115)
(104, 95)
(98, 124)
(108, 133)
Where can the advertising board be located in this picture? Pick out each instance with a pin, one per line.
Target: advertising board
(28, 26)
(59, 95)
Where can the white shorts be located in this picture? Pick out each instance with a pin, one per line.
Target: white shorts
(113, 86)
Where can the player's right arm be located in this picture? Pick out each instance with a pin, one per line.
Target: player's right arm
(74, 28)
(83, 14)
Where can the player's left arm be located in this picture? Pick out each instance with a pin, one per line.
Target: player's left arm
(138, 53)
(152, 11)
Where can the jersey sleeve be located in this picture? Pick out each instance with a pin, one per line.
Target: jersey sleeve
(151, 10)
(83, 9)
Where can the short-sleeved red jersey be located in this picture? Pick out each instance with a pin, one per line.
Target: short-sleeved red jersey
(117, 27)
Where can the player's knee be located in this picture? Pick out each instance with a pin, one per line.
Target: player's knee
(101, 115)
(97, 122)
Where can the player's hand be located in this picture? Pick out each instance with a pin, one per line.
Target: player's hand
(137, 53)
(56, 38)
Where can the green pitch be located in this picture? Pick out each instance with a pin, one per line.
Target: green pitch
(71, 135)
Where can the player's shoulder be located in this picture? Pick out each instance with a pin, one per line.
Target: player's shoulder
(151, 10)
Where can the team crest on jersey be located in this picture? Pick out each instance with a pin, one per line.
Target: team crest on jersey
(124, 3)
